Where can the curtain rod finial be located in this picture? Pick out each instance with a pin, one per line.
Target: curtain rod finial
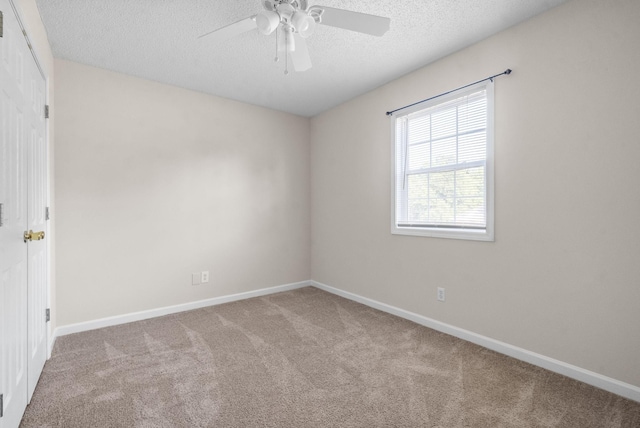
(507, 71)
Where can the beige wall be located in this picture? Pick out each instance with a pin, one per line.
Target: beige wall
(156, 182)
(563, 277)
(38, 37)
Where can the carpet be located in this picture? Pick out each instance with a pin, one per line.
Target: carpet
(302, 358)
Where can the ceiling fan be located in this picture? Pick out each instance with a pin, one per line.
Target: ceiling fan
(293, 21)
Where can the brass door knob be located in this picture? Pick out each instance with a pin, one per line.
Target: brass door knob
(33, 236)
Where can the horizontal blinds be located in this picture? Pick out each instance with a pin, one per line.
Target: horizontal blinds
(441, 164)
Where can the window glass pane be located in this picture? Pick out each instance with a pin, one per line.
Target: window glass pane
(418, 211)
(470, 182)
(441, 185)
(472, 147)
(418, 193)
(419, 156)
(473, 116)
(419, 129)
(443, 123)
(471, 211)
(418, 186)
(441, 211)
(441, 197)
(443, 152)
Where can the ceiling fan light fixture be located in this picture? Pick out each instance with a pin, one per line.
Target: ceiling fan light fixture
(316, 14)
(304, 24)
(267, 21)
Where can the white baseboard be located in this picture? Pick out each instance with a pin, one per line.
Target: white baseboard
(623, 389)
(152, 313)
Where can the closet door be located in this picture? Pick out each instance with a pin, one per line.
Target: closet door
(13, 200)
(23, 261)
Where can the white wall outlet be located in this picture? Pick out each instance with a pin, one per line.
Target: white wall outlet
(205, 277)
(441, 294)
(195, 278)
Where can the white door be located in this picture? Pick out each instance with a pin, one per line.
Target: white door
(23, 263)
(13, 251)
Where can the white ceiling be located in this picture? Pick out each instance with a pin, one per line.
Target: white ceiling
(157, 40)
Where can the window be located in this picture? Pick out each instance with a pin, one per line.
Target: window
(443, 166)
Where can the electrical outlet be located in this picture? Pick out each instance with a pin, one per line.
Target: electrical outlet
(441, 294)
(205, 277)
(195, 278)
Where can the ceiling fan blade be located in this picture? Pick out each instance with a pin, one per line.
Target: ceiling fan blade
(232, 30)
(300, 56)
(354, 21)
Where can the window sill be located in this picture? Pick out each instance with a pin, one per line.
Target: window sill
(466, 234)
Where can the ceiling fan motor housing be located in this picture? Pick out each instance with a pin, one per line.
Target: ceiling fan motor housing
(273, 4)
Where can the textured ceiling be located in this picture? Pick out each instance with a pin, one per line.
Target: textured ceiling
(157, 40)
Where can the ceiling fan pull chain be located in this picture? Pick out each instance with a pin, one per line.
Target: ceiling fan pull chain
(286, 53)
(276, 59)
(286, 62)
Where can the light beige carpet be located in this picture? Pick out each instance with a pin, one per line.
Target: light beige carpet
(303, 358)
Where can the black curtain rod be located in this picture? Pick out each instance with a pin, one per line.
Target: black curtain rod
(507, 71)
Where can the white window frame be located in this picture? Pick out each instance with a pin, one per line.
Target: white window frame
(486, 234)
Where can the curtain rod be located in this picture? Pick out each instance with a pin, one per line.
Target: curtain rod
(507, 71)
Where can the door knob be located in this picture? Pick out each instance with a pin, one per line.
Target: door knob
(33, 236)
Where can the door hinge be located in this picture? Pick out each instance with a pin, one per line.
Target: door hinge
(1, 405)
(1, 24)
(46, 214)
(46, 111)
(48, 314)
(1, 214)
